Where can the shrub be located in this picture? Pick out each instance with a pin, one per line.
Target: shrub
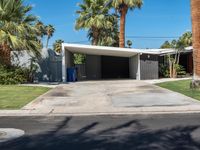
(164, 71)
(13, 75)
(180, 70)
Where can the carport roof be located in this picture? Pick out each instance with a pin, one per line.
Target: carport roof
(112, 51)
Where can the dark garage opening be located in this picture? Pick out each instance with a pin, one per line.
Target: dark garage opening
(114, 67)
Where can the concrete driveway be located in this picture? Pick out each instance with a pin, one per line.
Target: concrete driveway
(111, 97)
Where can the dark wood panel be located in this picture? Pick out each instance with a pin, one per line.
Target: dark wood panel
(149, 67)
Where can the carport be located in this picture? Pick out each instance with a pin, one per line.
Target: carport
(112, 63)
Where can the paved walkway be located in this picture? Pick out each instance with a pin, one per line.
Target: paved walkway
(155, 81)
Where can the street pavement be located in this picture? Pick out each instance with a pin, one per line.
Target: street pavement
(130, 132)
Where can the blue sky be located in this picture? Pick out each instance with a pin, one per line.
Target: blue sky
(157, 18)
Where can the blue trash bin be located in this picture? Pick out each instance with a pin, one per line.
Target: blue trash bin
(71, 74)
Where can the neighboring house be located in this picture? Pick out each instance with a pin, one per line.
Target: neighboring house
(186, 59)
(49, 66)
(118, 63)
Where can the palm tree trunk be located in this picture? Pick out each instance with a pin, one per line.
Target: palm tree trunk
(195, 8)
(5, 55)
(123, 13)
(95, 36)
(47, 42)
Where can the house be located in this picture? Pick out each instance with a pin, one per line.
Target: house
(49, 65)
(102, 62)
(118, 63)
(185, 60)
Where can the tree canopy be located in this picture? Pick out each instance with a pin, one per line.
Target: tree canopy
(97, 19)
(184, 41)
(17, 30)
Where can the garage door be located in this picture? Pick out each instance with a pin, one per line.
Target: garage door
(114, 67)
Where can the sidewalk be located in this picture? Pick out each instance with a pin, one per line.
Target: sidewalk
(156, 81)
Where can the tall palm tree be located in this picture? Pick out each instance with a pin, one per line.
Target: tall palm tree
(57, 46)
(16, 30)
(195, 4)
(93, 16)
(41, 30)
(49, 32)
(187, 39)
(122, 6)
(108, 36)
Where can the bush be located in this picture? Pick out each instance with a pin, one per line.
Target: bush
(180, 70)
(164, 71)
(13, 75)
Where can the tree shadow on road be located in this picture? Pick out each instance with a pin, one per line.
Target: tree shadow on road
(130, 135)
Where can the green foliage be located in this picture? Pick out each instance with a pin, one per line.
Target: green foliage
(79, 59)
(17, 75)
(107, 36)
(96, 18)
(166, 44)
(57, 46)
(92, 13)
(129, 43)
(12, 75)
(122, 7)
(17, 29)
(178, 45)
(184, 41)
(41, 29)
(180, 70)
(132, 4)
(33, 68)
(164, 71)
(49, 29)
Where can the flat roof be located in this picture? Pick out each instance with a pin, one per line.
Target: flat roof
(112, 51)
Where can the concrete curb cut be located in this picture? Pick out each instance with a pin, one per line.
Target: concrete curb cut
(97, 113)
(7, 134)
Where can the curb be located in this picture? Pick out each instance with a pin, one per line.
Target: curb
(98, 113)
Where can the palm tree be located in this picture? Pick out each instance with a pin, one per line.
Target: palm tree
(187, 38)
(129, 43)
(16, 30)
(57, 46)
(41, 30)
(179, 45)
(122, 6)
(49, 32)
(108, 36)
(93, 16)
(195, 4)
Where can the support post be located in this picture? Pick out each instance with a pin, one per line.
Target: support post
(64, 71)
(139, 69)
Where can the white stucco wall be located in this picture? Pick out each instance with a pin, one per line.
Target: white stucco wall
(67, 62)
(134, 67)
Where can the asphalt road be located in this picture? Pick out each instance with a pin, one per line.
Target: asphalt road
(155, 132)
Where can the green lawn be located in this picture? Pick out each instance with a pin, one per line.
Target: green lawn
(182, 87)
(15, 97)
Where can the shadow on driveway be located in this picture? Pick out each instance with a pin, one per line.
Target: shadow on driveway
(131, 135)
